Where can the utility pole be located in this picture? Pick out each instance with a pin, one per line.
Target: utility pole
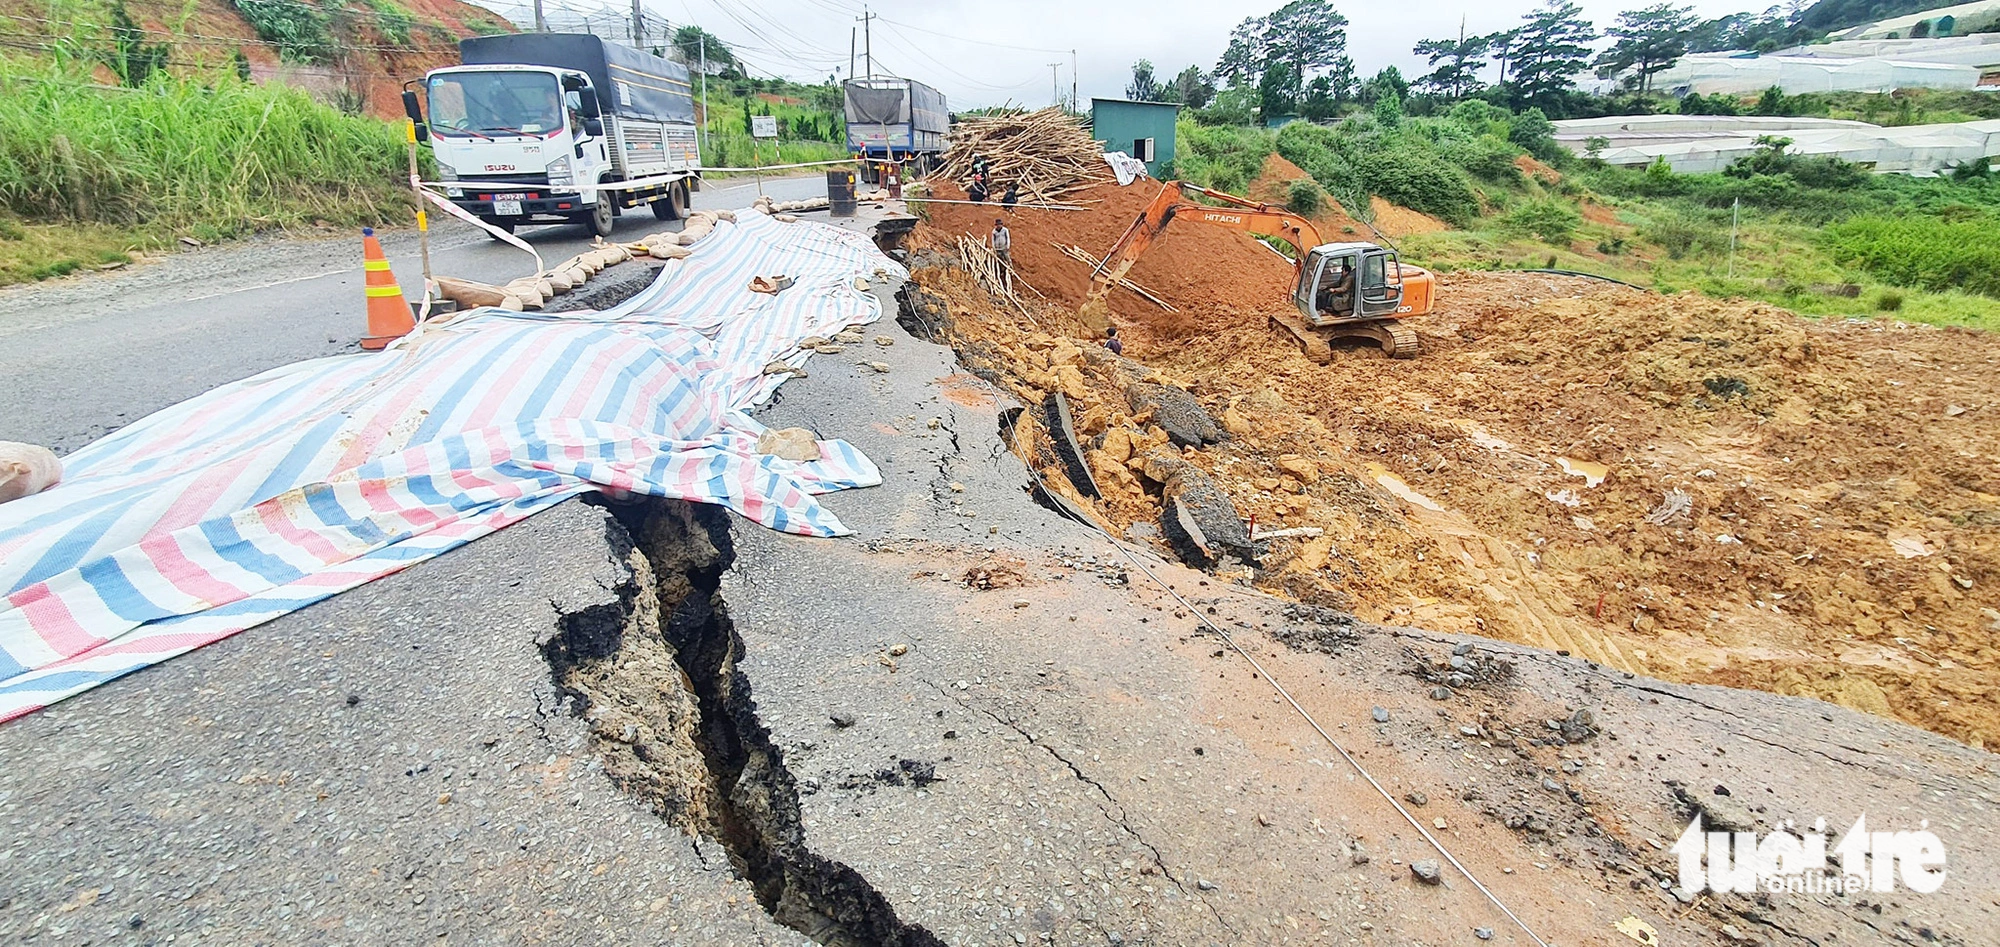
(1074, 105)
(867, 41)
(703, 45)
(541, 22)
(850, 52)
(638, 25)
(1055, 83)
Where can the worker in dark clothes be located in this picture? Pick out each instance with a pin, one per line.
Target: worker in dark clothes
(977, 192)
(1112, 342)
(1013, 194)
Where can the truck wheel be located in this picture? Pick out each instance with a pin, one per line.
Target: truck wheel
(601, 217)
(675, 204)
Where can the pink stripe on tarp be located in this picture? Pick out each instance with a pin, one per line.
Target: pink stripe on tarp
(639, 400)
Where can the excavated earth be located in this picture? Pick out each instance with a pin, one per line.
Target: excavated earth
(980, 721)
(1701, 490)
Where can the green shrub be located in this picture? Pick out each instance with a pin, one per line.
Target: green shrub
(1222, 157)
(1305, 197)
(1404, 166)
(1889, 301)
(299, 29)
(393, 21)
(1553, 221)
(1681, 234)
(1921, 251)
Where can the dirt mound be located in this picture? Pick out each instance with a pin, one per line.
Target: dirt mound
(1700, 490)
(377, 51)
(1217, 278)
(1273, 186)
(1537, 170)
(1398, 221)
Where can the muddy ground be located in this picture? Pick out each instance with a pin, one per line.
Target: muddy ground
(1707, 491)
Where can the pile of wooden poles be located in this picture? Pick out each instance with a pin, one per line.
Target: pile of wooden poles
(1047, 154)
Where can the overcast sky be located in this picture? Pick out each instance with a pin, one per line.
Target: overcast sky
(995, 52)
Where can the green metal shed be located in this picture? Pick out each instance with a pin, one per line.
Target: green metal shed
(1144, 130)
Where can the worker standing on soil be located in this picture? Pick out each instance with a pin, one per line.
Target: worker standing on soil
(1112, 342)
(1003, 241)
(1013, 194)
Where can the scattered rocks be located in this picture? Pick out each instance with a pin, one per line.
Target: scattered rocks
(898, 650)
(1206, 885)
(841, 719)
(1416, 798)
(1316, 628)
(1483, 933)
(1426, 870)
(1380, 715)
(1472, 668)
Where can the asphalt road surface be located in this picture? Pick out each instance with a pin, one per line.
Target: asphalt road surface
(85, 356)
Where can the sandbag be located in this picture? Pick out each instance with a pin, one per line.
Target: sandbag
(511, 303)
(576, 275)
(546, 286)
(669, 252)
(696, 229)
(728, 215)
(560, 282)
(528, 291)
(468, 294)
(26, 469)
(785, 218)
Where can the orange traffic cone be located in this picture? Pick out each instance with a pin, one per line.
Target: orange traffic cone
(388, 313)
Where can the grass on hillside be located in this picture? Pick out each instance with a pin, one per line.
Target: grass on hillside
(1813, 235)
(88, 172)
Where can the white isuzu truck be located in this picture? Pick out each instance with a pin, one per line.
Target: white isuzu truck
(530, 117)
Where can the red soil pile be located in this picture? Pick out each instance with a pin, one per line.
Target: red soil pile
(1537, 170)
(1214, 276)
(1274, 186)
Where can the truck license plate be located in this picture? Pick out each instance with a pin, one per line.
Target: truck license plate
(506, 208)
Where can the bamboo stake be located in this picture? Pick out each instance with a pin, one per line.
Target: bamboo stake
(1081, 256)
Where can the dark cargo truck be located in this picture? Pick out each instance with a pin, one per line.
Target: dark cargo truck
(892, 119)
(532, 117)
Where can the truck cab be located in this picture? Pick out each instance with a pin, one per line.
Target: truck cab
(513, 141)
(533, 124)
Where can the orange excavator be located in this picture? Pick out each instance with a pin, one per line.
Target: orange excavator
(1339, 290)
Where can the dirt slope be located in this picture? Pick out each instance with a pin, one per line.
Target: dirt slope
(1803, 507)
(203, 37)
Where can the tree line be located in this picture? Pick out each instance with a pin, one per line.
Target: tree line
(1293, 61)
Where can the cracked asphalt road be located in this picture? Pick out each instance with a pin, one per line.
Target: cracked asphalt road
(394, 764)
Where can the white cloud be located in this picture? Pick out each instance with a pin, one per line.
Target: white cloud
(989, 53)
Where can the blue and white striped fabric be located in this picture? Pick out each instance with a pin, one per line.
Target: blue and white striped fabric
(268, 494)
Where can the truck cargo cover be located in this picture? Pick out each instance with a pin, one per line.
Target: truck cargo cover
(630, 83)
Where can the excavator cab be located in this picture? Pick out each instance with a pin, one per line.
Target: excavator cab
(1348, 282)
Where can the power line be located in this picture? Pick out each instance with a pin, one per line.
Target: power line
(976, 42)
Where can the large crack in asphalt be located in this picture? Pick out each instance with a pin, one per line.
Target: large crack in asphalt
(671, 716)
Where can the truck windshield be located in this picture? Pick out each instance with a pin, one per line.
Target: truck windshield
(485, 103)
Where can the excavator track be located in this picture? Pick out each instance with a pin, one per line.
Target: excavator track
(1396, 339)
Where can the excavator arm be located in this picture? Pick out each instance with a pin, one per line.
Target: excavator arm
(1241, 214)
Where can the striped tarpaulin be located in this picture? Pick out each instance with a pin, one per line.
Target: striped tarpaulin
(268, 494)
